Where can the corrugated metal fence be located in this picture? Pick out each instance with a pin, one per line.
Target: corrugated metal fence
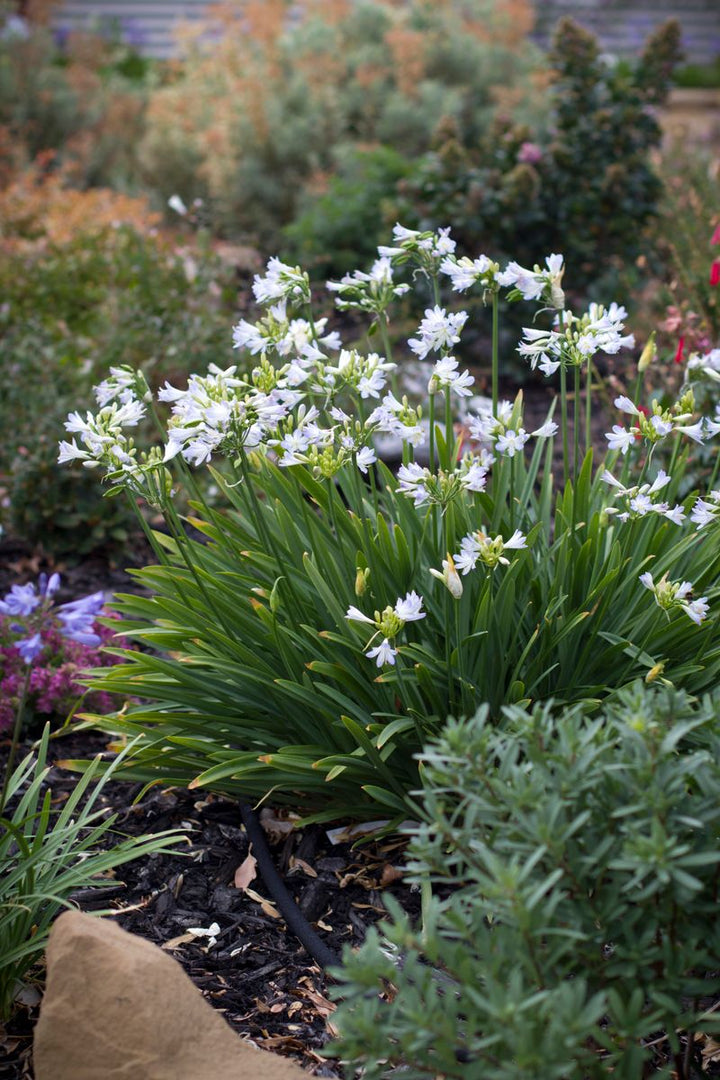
(621, 25)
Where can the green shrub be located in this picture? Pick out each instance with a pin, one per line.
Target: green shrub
(574, 862)
(343, 226)
(292, 655)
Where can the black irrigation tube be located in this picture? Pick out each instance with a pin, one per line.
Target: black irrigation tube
(293, 916)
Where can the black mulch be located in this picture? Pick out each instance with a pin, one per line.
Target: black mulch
(258, 975)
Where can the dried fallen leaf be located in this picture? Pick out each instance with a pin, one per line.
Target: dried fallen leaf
(245, 873)
(277, 827)
(390, 874)
(267, 907)
(181, 939)
(305, 867)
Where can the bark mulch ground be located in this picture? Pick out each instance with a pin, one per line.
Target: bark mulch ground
(258, 974)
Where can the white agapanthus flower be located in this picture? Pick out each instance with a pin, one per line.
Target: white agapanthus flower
(445, 376)
(675, 594)
(388, 624)
(640, 501)
(576, 338)
(477, 547)
(465, 272)
(281, 282)
(705, 512)
(538, 283)
(438, 331)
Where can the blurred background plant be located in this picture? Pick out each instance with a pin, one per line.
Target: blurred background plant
(583, 183)
(87, 281)
(252, 120)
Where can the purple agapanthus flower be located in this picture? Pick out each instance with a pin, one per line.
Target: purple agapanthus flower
(21, 600)
(29, 648)
(78, 616)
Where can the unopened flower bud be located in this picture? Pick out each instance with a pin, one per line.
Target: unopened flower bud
(655, 671)
(449, 577)
(648, 354)
(361, 580)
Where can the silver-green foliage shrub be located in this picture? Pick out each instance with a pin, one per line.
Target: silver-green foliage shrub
(581, 854)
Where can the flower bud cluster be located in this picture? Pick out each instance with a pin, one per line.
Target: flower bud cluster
(673, 595)
(389, 623)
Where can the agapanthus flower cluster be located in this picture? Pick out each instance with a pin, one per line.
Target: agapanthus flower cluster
(221, 412)
(438, 331)
(372, 292)
(478, 547)
(500, 433)
(302, 340)
(365, 373)
(543, 284)
(466, 272)
(426, 249)
(281, 282)
(324, 450)
(440, 488)
(706, 511)
(104, 442)
(639, 500)
(398, 418)
(674, 595)
(388, 624)
(50, 643)
(659, 423)
(575, 339)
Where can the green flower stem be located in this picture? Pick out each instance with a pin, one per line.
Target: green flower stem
(512, 493)
(588, 404)
(431, 420)
(495, 352)
(576, 423)
(564, 420)
(382, 321)
(15, 739)
(262, 529)
(449, 431)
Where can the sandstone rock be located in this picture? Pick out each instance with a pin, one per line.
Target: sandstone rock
(119, 1008)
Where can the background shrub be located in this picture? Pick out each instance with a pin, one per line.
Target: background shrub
(87, 282)
(272, 103)
(583, 183)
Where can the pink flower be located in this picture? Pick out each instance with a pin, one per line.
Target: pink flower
(529, 153)
(715, 273)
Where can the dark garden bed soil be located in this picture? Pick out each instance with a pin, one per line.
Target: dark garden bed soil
(258, 974)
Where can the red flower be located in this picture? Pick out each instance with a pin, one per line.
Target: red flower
(715, 273)
(715, 238)
(680, 350)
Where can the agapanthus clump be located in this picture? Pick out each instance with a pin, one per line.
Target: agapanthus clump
(520, 586)
(45, 648)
